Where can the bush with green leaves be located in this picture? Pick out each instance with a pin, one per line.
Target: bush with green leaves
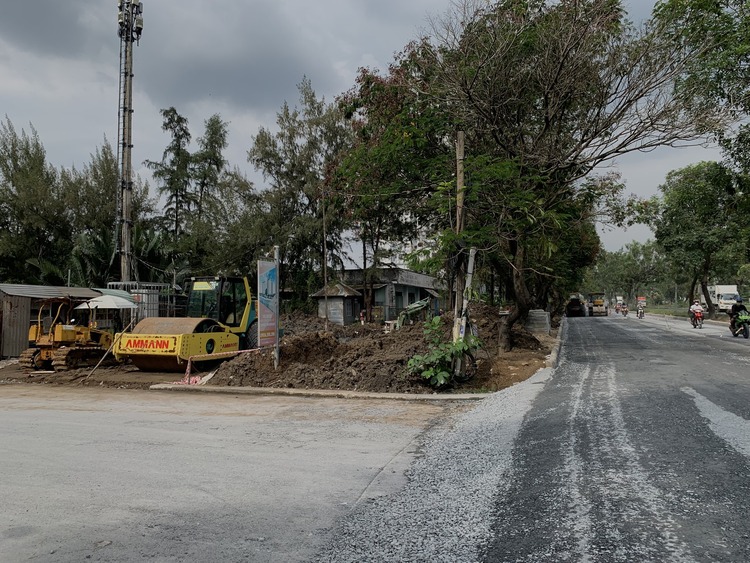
(437, 365)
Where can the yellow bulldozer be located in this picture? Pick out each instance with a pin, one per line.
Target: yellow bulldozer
(221, 321)
(57, 343)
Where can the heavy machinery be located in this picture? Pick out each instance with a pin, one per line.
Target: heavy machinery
(598, 304)
(412, 309)
(56, 342)
(221, 321)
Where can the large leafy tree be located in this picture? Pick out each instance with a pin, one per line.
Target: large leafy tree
(719, 73)
(700, 222)
(402, 152)
(551, 91)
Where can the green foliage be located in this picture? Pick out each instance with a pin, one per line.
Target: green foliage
(701, 225)
(58, 226)
(436, 366)
(545, 91)
(298, 211)
(173, 174)
(638, 269)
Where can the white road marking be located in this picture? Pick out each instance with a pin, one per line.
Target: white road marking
(624, 485)
(731, 428)
(582, 524)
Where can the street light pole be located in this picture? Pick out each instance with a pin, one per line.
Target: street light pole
(130, 20)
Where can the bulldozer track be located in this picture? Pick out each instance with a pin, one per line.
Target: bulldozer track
(65, 359)
(27, 359)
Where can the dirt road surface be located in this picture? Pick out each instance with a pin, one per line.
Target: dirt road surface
(127, 475)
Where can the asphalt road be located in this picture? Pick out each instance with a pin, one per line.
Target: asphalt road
(635, 450)
(130, 475)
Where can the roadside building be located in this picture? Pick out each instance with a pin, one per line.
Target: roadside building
(20, 307)
(342, 301)
(393, 290)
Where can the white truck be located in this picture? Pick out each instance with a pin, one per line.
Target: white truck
(723, 296)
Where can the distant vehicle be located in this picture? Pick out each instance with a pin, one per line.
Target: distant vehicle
(723, 296)
(697, 319)
(575, 308)
(598, 304)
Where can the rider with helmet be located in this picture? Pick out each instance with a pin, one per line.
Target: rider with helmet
(735, 311)
(696, 307)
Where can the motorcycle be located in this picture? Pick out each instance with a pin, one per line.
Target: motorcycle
(741, 324)
(697, 319)
(640, 313)
(624, 311)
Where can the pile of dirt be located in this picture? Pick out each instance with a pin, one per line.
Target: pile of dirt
(319, 355)
(365, 358)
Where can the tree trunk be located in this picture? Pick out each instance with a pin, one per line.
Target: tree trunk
(522, 302)
(709, 304)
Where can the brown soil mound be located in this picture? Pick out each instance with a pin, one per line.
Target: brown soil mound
(364, 358)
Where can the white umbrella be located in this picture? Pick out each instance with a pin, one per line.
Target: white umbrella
(108, 302)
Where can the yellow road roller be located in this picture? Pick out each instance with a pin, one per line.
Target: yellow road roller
(221, 320)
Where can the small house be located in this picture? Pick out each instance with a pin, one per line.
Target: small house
(341, 301)
(394, 289)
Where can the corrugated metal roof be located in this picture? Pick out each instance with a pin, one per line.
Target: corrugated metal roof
(116, 292)
(337, 290)
(47, 291)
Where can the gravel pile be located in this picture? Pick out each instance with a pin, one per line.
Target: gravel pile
(444, 513)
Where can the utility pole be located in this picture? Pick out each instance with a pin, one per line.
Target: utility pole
(130, 27)
(460, 192)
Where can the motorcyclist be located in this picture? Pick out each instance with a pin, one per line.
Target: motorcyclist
(640, 309)
(735, 311)
(696, 307)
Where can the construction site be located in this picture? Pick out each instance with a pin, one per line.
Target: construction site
(357, 357)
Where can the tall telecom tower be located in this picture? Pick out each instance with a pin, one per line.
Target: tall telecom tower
(130, 20)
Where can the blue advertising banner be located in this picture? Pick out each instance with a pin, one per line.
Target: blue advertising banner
(268, 303)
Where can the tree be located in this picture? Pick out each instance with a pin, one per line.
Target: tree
(215, 189)
(629, 272)
(400, 154)
(551, 91)
(34, 224)
(174, 175)
(698, 221)
(298, 160)
(208, 163)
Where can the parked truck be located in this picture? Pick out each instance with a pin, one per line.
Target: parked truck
(723, 296)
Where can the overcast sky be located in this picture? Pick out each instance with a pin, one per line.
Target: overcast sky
(242, 59)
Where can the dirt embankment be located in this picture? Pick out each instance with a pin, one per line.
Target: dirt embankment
(365, 358)
(357, 357)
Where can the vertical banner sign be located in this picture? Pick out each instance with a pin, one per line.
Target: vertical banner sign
(268, 303)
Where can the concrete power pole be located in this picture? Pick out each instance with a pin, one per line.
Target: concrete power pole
(460, 196)
(130, 20)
